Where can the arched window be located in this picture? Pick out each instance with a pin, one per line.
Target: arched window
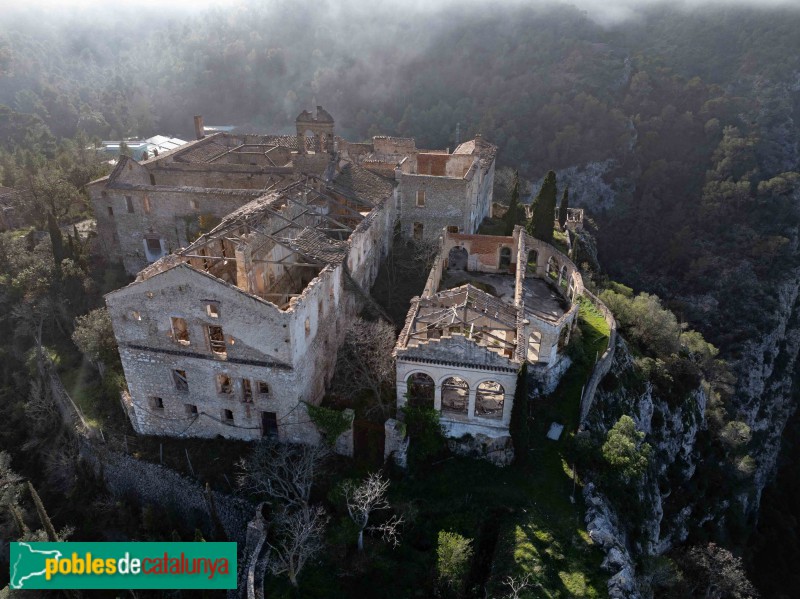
(420, 390)
(562, 276)
(552, 268)
(489, 400)
(505, 258)
(533, 261)
(455, 395)
(457, 259)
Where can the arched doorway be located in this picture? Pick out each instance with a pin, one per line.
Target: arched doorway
(455, 395)
(457, 259)
(489, 400)
(420, 390)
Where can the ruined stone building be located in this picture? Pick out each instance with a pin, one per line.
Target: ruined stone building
(436, 188)
(490, 304)
(250, 252)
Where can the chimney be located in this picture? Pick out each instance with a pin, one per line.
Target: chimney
(199, 131)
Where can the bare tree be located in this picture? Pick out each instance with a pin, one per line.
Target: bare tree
(517, 584)
(363, 499)
(365, 362)
(297, 540)
(283, 472)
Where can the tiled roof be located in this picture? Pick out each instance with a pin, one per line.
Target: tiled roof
(363, 183)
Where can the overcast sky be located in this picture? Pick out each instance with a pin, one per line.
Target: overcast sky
(605, 11)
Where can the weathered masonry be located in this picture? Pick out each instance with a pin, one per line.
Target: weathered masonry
(436, 189)
(232, 334)
(490, 304)
(245, 246)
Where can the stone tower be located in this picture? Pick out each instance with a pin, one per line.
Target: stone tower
(320, 126)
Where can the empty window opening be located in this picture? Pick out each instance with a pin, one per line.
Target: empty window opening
(181, 382)
(110, 211)
(129, 204)
(212, 309)
(247, 391)
(224, 384)
(191, 409)
(269, 424)
(153, 245)
(156, 403)
(153, 177)
(227, 416)
(489, 400)
(452, 229)
(146, 204)
(193, 204)
(180, 331)
(216, 340)
(505, 258)
(418, 231)
(455, 395)
(421, 198)
(420, 390)
(263, 388)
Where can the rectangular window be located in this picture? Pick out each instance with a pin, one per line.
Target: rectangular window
(110, 211)
(153, 245)
(153, 177)
(224, 384)
(227, 416)
(418, 231)
(179, 378)
(156, 403)
(247, 391)
(263, 388)
(180, 331)
(146, 204)
(269, 424)
(129, 204)
(421, 198)
(212, 309)
(452, 229)
(191, 409)
(216, 340)
(193, 204)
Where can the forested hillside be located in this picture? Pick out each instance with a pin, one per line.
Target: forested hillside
(676, 130)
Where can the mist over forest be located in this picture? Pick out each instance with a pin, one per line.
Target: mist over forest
(676, 128)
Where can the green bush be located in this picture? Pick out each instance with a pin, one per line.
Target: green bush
(453, 555)
(425, 433)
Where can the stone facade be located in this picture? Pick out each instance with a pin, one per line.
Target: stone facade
(490, 304)
(234, 333)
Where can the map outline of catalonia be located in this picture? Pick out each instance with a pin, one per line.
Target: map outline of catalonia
(17, 584)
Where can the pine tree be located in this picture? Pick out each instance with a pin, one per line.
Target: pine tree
(544, 210)
(518, 427)
(512, 215)
(562, 209)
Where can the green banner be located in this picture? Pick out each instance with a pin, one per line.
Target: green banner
(123, 565)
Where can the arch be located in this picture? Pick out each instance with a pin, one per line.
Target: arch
(562, 276)
(421, 390)
(457, 258)
(552, 268)
(505, 258)
(455, 395)
(489, 400)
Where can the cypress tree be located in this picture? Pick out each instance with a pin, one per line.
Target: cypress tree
(512, 216)
(562, 209)
(544, 210)
(518, 427)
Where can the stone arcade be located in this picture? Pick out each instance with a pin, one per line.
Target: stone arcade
(490, 304)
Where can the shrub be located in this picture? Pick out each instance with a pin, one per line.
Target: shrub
(453, 554)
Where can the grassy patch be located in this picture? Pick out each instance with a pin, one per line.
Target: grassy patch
(560, 241)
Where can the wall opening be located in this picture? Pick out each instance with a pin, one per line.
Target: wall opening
(489, 400)
(180, 331)
(418, 230)
(191, 409)
(269, 424)
(455, 395)
(216, 340)
(421, 390)
(224, 384)
(227, 416)
(505, 258)
(180, 380)
(156, 403)
(247, 391)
